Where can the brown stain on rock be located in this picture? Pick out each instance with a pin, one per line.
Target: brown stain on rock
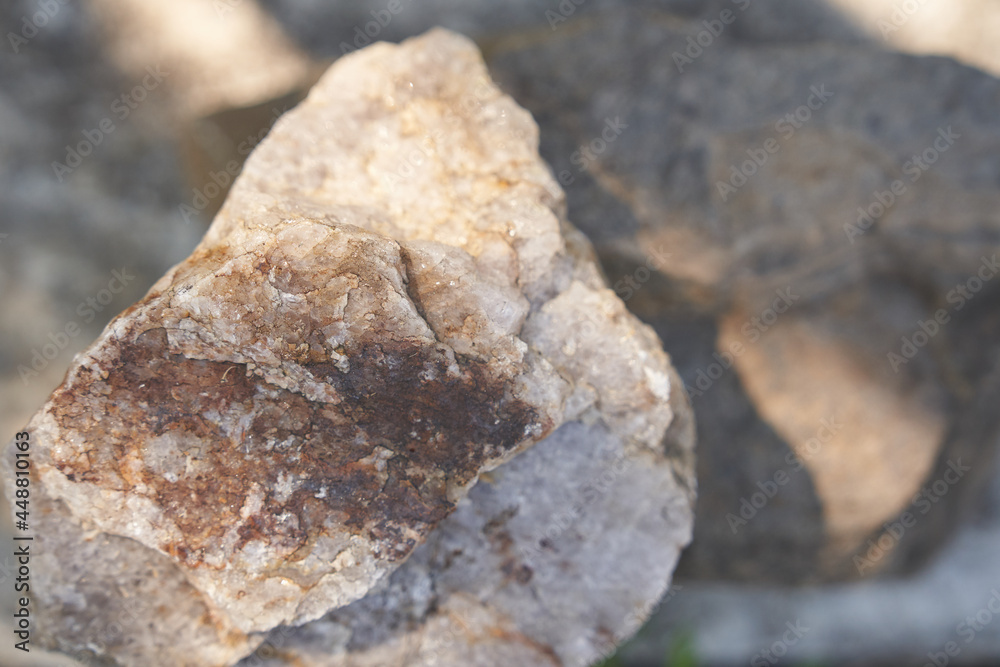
(439, 432)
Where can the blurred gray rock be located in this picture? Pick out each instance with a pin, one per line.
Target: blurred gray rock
(331, 29)
(950, 605)
(836, 366)
(69, 224)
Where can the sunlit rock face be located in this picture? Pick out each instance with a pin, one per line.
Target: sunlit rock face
(390, 303)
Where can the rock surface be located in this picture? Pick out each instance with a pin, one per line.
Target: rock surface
(818, 421)
(390, 303)
(552, 560)
(120, 209)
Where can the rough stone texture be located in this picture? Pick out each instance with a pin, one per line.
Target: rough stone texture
(389, 303)
(812, 393)
(533, 568)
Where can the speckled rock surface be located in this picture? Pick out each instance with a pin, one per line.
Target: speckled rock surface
(552, 560)
(390, 303)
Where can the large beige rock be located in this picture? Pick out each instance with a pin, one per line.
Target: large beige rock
(390, 303)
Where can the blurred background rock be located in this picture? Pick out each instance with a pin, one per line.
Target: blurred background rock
(122, 122)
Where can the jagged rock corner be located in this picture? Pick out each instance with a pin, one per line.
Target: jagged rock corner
(386, 413)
